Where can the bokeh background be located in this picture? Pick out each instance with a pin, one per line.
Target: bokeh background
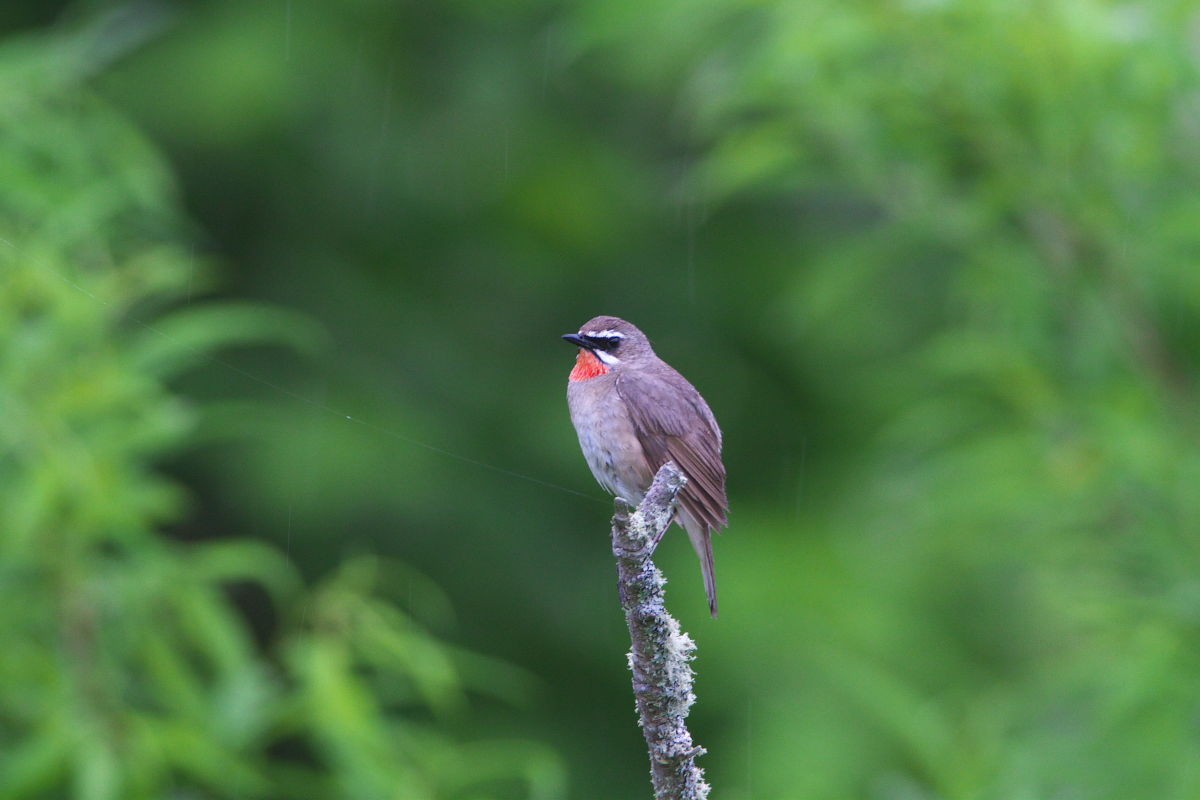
(290, 504)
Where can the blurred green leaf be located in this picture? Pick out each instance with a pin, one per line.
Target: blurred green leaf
(136, 665)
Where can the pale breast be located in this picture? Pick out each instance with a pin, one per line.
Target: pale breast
(607, 438)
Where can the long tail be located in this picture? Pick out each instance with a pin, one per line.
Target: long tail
(701, 539)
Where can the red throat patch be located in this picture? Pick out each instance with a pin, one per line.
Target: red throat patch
(587, 366)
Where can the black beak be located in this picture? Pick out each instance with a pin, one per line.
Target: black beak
(578, 341)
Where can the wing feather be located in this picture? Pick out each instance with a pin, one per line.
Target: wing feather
(673, 423)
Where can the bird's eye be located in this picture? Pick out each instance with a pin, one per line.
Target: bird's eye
(611, 342)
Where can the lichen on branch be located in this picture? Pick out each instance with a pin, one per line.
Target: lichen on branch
(661, 653)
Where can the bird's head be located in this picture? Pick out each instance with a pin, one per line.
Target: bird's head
(607, 344)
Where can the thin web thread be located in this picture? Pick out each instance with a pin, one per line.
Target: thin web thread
(313, 403)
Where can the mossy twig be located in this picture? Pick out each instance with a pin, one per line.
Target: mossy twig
(661, 653)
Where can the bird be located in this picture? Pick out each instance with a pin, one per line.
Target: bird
(633, 413)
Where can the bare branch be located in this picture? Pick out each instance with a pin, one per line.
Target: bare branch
(661, 652)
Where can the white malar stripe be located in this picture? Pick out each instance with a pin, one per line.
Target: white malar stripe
(607, 358)
(605, 334)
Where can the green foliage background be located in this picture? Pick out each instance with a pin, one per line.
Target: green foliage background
(280, 291)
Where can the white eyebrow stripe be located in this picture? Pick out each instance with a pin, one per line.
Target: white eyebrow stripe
(606, 334)
(607, 358)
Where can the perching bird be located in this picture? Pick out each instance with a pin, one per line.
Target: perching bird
(633, 413)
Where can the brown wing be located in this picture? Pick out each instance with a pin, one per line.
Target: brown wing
(673, 423)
